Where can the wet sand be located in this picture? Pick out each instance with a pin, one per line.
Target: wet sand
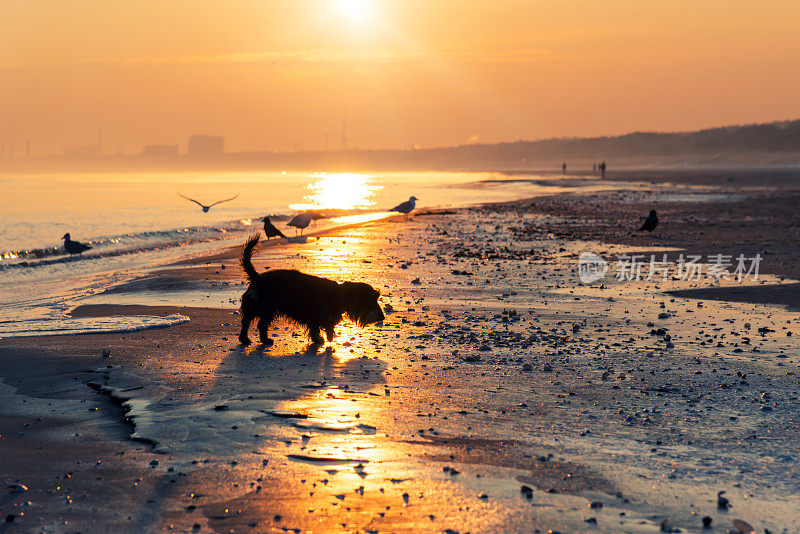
(499, 395)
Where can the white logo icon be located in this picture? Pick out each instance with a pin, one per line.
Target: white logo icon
(591, 268)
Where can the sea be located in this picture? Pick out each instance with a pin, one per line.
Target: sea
(139, 221)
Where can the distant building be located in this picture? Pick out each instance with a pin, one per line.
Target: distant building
(206, 145)
(160, 151)
(81, 151)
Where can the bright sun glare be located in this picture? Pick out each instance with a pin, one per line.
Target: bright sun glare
(353, 10)
(339, 191)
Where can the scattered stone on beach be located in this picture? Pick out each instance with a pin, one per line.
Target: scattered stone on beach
(106, 353)
(743, 527)
(722, 502)
(17, 488)
(666, 527)
(595, 504)
(540, 335)
(707, 521)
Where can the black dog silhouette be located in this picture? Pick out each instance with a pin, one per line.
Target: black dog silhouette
(310, 301)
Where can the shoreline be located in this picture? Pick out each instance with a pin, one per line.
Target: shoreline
(390, 428)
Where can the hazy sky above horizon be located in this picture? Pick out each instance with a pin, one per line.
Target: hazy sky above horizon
(280, 75)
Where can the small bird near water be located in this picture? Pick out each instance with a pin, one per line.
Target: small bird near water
(206, 208)
(270, 230)
(650, 222)
(74, 247)
(301, 221)
(722, 502)
(406, 207)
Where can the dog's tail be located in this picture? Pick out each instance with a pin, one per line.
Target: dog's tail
(247, 252)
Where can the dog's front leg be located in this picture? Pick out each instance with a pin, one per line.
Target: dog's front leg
(263, 329)
(329, 333)
(313, 331)
(246, 320)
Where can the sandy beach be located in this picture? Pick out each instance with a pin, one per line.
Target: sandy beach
(560, 238)
(499, 395)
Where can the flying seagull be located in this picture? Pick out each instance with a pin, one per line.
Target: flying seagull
(74, 247)
(650, 222)
(206, 208)
(406, 207)
(270, 230)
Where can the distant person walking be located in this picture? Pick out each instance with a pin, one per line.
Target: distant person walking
(603, 169)
(564, 168)
(594, 168)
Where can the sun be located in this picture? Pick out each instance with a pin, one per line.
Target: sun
(353, 10)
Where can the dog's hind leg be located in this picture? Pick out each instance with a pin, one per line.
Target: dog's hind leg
(329, 333)
(263, 328)
(249, 311)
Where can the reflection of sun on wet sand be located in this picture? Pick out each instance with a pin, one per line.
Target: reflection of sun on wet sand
(498, 395)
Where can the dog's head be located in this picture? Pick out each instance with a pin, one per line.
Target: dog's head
(360, 302)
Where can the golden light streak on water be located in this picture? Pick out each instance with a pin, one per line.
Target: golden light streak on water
(344, 191)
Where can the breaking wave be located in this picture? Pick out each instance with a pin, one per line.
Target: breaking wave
(125, 244)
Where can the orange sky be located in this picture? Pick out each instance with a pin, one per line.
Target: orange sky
(278, 75)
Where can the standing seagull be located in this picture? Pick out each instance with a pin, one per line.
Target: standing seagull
(301, 221)
(406, 207)
(74, 247)
(650, 222)
(206, 208)
(270, 230)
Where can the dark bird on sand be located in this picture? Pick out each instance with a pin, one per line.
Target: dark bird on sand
(722, 502)
(206, 208)
(301, 221)
(406, 207)
(315, 303)
(650, 222)
(270, 230)
(74, 247)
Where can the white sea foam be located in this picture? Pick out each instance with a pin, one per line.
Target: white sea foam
(89, 325)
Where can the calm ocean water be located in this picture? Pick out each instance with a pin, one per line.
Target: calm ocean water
(137, 221)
